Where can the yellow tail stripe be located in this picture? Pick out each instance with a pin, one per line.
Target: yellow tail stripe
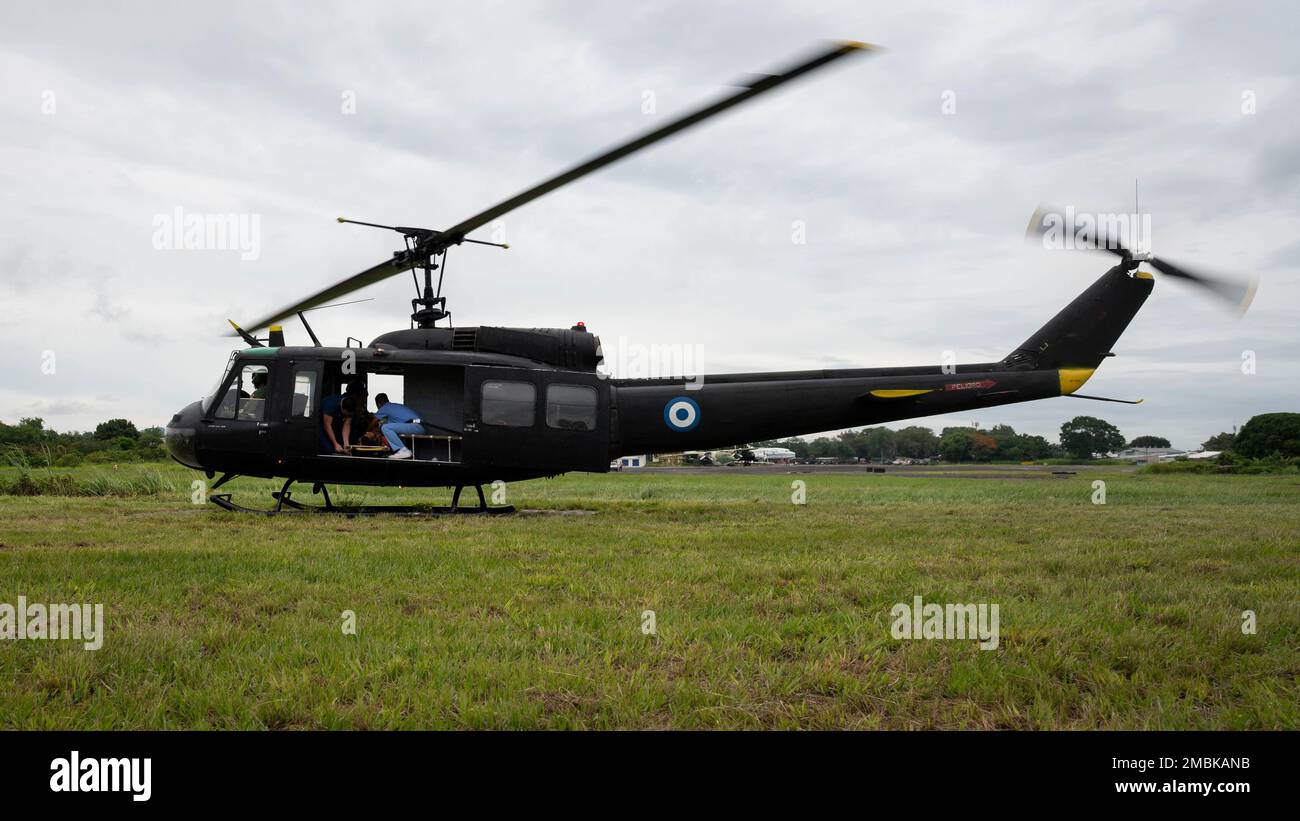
(1073, 378)
(898, 394)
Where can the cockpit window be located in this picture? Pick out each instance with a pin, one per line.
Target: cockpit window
(246, 395)
(209, 399)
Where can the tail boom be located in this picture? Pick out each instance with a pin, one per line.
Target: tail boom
(666, 416)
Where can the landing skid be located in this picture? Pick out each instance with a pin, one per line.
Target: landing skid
(285, 503)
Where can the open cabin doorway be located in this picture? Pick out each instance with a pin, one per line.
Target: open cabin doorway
(435, 393)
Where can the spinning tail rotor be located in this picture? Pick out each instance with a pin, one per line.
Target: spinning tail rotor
(1048, 223)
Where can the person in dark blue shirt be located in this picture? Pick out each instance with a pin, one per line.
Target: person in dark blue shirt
(394, 420)
(332, 416)
(329, 410)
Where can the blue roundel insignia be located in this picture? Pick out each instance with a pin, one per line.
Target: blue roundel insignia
(682, 414)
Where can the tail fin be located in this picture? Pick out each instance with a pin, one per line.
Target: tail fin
(1082, 334)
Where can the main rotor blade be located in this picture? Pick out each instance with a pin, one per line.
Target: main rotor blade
(382, 271)
(1237, 293)
(761, 84)
(430, 245)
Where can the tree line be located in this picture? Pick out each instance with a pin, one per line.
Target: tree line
(116, 440)
(1266, 436)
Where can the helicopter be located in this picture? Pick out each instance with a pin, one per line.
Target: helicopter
(511, 404)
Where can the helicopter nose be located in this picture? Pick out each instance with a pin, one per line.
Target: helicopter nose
(179, 435)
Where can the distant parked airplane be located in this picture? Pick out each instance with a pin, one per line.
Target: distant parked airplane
(774, 455)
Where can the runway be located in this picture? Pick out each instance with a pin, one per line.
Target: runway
(907, 471)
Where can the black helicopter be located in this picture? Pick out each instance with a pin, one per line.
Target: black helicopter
(512, 403)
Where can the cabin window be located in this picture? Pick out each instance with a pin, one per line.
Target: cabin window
(304, 390)
(246, 396)
(571, 407)
(508, 403)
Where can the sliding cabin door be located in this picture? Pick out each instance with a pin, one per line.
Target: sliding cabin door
(516, 417)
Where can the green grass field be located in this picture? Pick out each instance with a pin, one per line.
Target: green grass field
(768, 615)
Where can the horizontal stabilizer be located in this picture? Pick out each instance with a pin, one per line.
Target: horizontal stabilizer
(1104, 399)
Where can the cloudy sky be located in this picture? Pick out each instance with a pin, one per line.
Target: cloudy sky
(913, 172)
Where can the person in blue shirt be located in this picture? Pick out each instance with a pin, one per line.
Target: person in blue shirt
(395, 419)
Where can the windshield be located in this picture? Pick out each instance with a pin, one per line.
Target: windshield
(206, 401)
